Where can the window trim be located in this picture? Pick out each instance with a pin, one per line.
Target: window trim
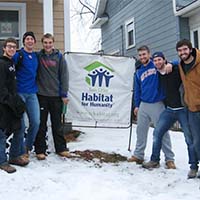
(21, 8)
(132, 20)
(192, 35)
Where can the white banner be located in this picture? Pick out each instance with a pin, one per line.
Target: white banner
(100, 89)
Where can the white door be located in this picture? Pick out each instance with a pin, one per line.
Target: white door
(12, 21)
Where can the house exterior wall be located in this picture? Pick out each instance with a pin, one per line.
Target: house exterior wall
(34, 13)
(155, 26)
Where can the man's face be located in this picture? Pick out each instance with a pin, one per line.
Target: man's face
(29, 42)
(10, 49)
(144, 56)
(48, 45)
(159, 62)
(184, 52)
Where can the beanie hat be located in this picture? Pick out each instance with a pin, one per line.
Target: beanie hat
(158, 54)
(29, 33)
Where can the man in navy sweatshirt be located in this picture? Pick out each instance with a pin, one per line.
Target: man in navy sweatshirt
(175, 111)
(148, 98)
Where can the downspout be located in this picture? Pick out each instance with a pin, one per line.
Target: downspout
(122, 39)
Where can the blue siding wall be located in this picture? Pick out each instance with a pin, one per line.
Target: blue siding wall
(155, 26)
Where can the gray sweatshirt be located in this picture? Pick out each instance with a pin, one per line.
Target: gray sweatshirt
(53, 76)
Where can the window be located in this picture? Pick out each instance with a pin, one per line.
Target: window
(130, 33)
(195, 38)
(13, 21)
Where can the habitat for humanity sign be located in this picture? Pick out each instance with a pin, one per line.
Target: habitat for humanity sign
(100, 89)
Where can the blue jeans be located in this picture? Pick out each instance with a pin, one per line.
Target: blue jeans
(194, 121)
(15, 148)
(166, 121)
(33, 113)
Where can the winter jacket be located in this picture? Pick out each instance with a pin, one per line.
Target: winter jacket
(53, 77)
(147, 86)
(12, 106)
(191, 83)
(171, 84)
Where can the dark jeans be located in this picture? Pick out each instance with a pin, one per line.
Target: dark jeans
(52, 105)
(194, 121)
(167, 119)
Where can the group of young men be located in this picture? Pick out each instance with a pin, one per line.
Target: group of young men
(165, 93)
(35, 83)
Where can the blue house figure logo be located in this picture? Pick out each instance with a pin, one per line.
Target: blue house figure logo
(98, 74)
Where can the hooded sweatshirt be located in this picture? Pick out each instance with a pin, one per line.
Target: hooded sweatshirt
(53, 75)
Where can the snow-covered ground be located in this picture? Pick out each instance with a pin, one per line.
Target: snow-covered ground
(58, 178)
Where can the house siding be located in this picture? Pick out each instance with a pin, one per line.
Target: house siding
(34, 12)
(155, 26)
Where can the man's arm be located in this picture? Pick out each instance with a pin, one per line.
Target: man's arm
(64, 80)
(137, 93)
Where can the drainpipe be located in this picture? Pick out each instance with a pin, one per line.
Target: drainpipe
(48, 16)
(67, 25)
(122, 42)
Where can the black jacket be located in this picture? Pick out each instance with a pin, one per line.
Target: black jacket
(171, 84)
(12, 106)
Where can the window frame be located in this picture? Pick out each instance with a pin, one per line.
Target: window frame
(127, 23)
(21, 8)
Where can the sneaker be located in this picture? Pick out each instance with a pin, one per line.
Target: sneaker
(41, 156)
(192, 173)
(20, 161)
(151, 164)
(136, 160)
(170, 164)
(64, 154)
(8, 168)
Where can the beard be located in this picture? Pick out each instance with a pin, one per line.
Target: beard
(185, 58)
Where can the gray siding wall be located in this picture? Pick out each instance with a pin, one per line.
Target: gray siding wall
(155, 26)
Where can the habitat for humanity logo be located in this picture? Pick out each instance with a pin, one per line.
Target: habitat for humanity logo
(98, 78)
(99, 74)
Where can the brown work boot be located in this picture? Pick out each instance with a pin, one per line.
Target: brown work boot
(170, 164)
(20, 161)
(41, 156)
(64, 154)
(8, 168)
(151, 164)
(27, 153)
(136, 160)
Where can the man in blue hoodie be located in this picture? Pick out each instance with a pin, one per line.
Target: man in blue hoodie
(27, 88)
(148, 98)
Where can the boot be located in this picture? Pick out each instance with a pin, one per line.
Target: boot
(151, 164)
(136, 160)
(170, 164)
(8, 168)
(192, 173)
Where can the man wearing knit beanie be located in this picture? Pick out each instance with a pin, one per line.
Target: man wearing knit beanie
(28, 33)
(27, 88)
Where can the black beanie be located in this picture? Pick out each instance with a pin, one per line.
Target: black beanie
(29, 33)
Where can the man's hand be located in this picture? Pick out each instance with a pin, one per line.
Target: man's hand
(65, 100)
(168, 68)
(136, 111)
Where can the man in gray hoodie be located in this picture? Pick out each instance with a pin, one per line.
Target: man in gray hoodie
(52, 83)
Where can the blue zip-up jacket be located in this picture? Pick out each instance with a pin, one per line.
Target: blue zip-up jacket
(26, 74)
(147, 86)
